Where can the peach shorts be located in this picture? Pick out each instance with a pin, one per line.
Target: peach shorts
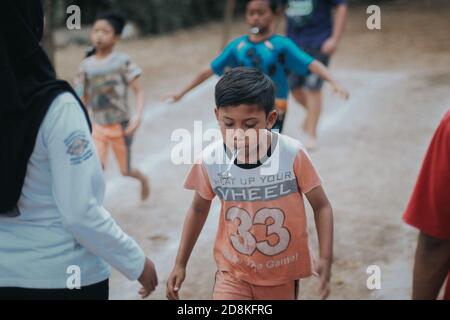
(113, 136)
(227, 287)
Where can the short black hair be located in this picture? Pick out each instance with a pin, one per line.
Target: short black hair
(245, 86)
(114, 19)
(273, 4)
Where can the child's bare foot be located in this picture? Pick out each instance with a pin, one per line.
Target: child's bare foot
(145, 189)
(305, 126)
(310, 143)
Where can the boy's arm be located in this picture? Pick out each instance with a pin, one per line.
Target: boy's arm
(323, 216)
(340, 19)
(85, 98)
(136, 87)
(199, 79)
(432, 262)
(81, 90)
(193, 225)
(80, 84)
(320, 69)
(226, 59)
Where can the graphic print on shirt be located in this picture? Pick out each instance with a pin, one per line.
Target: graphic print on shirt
(300, 12)
(245, 241)
(277, 57)
(78, 147)
(108, 97)
(254, 215)
(106, 83)
(265, 63)
(262, 236)
(256, 188)
(107, 87)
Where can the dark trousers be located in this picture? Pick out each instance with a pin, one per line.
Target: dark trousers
(98, 291)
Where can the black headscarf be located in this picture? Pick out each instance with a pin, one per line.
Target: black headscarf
(28, 85)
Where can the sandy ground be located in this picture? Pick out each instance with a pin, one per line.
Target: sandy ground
(370, 151)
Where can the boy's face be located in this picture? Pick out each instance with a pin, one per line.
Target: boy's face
(242, 126)
(260, 15)
(103, 35)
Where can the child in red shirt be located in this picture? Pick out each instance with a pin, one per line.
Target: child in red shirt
(429, 211)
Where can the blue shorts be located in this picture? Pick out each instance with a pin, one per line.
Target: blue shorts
(312, 81)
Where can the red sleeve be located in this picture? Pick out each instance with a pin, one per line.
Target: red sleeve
(429, 207)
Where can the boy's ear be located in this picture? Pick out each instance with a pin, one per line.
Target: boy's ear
(216, 112)
(271, 119)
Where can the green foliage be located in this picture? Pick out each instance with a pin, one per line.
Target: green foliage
(152, 16)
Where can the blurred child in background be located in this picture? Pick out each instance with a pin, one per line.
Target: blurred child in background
(273, 54)
(316, 27)
(105, 76)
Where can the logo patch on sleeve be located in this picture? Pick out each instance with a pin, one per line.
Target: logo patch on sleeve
(78, 147)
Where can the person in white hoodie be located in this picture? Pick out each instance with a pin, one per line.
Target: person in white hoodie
(56, 238)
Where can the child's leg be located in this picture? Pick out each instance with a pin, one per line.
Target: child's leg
(101, 144)
(307, 91)
(288, 291)
(143, 179)
(311, 99)
(122, 150)
(313, 94)
(228, 287)
(299, 96)
(314, 105)
(447, 289)
(297, 86)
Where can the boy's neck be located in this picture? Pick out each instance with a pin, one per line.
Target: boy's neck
(259, 153)
(261, 38)
(101, 54)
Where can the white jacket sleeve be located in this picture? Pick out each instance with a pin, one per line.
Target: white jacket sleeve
(79, 187)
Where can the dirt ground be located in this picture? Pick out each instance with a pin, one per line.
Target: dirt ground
(371, 147)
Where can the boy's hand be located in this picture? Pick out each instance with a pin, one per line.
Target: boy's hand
(174, 283)
(133, 126)
(324, 272)
(172, 98)
(148, 279)
(340, 90)
(329, 46)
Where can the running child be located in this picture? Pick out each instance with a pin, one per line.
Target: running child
(275, 55)
(262, 247)
(316, 27)
(105, 76)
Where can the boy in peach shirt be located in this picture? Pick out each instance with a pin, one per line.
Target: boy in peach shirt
(262, 247)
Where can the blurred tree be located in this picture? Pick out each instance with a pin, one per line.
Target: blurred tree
(152, 16)
(47, 40)
(229, 12)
